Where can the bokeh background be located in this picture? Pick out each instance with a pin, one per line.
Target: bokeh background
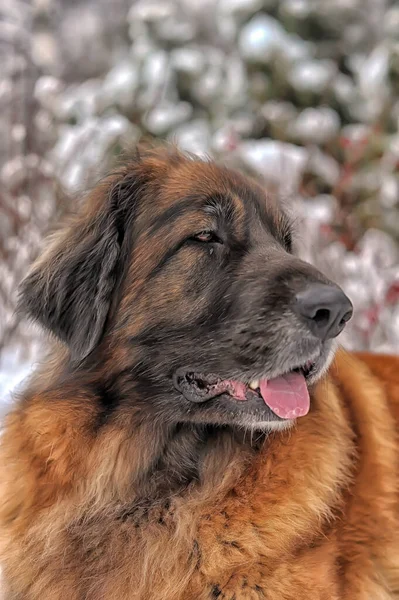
(301, 93)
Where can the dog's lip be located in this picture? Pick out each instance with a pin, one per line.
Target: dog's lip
(285, 394)
(306, 367)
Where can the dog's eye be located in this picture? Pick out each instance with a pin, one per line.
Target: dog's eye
(207, 237)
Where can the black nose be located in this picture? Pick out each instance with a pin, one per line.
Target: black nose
(325, 308)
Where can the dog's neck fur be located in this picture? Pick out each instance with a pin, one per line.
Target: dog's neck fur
(185, 458)
(153, 460)
(171, 457)
(195, 456)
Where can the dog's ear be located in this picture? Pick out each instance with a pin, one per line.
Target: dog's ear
(70, 288)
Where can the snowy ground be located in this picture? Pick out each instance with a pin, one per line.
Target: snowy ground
(13, 372)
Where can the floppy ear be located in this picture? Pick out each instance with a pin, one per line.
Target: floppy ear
(70, 288)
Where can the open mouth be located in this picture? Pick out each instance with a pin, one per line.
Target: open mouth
(287, 396)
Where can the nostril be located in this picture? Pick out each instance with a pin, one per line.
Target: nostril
(347, 316)
(322, 316)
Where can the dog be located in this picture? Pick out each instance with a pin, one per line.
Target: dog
(194, 433)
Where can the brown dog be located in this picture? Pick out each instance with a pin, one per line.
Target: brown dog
(162, 452)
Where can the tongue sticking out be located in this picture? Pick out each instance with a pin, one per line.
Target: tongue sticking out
(286, 395)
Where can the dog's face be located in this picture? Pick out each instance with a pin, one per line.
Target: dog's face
(178, 286)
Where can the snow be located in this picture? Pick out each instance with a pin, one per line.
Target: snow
(13, 373)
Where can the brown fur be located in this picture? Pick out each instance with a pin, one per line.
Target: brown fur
(310, 514)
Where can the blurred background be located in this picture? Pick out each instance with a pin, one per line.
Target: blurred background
(301, 93)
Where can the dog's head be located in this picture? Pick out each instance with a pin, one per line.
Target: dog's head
(177, 284)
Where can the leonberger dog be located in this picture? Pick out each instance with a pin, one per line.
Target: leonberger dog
(191, 435)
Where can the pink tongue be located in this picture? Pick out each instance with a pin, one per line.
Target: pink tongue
(287, 395)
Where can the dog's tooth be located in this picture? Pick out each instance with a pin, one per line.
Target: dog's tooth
(254, 384)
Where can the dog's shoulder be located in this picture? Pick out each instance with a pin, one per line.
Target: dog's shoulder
(369, 373)
(369, 389)
(386, 368)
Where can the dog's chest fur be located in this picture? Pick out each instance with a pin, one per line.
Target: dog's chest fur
(252, 543)
(255, 530)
